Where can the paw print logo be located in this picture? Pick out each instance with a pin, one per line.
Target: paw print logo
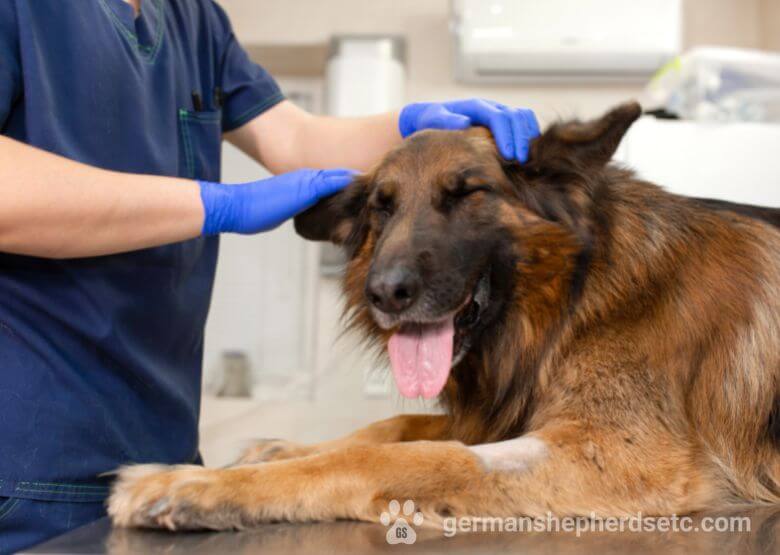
(401, 530)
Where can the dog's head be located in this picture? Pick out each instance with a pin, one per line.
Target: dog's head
(446, 239)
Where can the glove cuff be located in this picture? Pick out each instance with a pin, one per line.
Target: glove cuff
(217, 208)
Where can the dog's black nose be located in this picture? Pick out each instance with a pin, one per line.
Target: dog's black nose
(393, 290)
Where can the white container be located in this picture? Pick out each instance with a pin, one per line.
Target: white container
(719, 84)
(365, 75)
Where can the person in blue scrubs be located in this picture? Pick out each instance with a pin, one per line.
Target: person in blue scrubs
(112, 113)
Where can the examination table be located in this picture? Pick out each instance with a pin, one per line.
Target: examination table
(354, 537)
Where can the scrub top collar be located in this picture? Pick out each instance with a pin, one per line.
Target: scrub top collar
(144, 31)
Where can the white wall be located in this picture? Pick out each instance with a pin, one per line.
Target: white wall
(424, 23)
(770, 24)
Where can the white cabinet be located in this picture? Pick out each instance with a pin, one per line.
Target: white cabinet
(739, 162)
(264, 294)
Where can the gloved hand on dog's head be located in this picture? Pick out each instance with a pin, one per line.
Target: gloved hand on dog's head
(513, 128)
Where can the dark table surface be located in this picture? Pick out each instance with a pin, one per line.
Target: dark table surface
(355, 537)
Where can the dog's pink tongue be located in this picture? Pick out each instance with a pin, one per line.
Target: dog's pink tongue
(421, 357)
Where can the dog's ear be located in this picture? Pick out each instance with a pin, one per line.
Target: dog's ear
(584, 145)
(336, 217)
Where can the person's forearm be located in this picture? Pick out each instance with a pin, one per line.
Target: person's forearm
(287, 138)
(357, 142)
(56, 208)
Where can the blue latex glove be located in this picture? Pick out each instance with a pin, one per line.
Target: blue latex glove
(512, 128)
(265, 204)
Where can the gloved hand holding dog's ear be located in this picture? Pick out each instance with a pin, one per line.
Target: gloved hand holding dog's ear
(513, 128)
(263, 205)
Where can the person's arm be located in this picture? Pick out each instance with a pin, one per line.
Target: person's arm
(57, 208)
(287, 137)
(53, 207)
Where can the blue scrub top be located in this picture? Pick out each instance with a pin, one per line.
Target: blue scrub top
(100, 358)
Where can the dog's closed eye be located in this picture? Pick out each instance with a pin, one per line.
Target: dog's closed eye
(451, 197)
(382, 204)
(466, 190)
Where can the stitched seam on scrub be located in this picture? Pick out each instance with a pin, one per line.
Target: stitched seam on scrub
(148, 53)
(253, 111)
(185, 117)
(55, 488)
(146, 50)
(7, 508)
(61, 485)
(10, 331)
(97, 495)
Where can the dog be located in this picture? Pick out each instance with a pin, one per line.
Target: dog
(599, 346)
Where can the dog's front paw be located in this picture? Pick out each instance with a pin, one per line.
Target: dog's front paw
(173, 497)
(267, 450)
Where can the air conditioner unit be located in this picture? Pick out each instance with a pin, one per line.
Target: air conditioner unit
(563, 40)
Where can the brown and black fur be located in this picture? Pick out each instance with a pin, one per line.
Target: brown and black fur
(628, 359)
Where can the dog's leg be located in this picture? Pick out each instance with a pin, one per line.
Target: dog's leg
(566, 471)
(404, 427)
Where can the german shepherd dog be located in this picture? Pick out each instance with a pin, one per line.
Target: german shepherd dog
(599, 346)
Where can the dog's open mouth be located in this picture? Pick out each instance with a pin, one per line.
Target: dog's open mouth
(422, 355)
